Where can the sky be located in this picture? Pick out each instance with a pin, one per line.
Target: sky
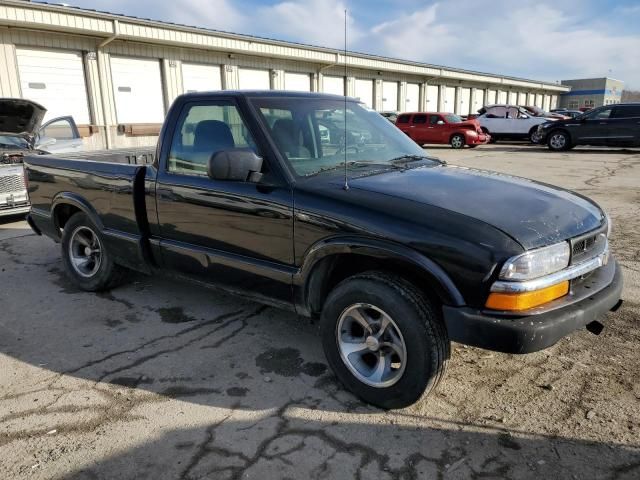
(546, 40)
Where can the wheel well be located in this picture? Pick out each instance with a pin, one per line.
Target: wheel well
(333, 269)
(563, 130)
(63, 213)
(457, 133)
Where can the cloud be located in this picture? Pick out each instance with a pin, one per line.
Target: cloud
(540, 39)
(316, 22)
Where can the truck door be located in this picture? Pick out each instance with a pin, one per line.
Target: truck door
(237, 234)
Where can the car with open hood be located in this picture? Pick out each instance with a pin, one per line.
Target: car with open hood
(22, 131)
(394, 251)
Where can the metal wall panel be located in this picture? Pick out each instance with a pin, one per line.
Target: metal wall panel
(449, 102)
(334, 85)
(491, 97)
(297, 82)
(137, 88)
(56, 80)
(522, 98)
(198, 77)
(390, 96)
(364, 91)
(502, 96)
(413, 98)
(477, 101)
(464, 102)
(432, 98)
(253, 79)
(513, 98)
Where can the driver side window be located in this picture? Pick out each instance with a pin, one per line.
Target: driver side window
(600, 114)
(203, 130)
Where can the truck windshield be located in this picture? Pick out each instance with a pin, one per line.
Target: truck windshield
(312, 135)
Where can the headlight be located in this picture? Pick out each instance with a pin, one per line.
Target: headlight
(537, 263)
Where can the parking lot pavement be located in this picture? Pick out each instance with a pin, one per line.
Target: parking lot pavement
(159, 379)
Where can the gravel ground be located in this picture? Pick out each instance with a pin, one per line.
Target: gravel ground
(159, 379)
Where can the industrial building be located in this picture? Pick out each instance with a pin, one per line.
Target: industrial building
(118, 75)
(591, 93)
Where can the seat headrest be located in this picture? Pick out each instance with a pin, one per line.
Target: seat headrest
(212, 136)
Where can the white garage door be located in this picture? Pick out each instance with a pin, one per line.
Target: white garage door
(491, 100)
(297, 82)
(478, 100)
(390, 96)
(522, 98)
(502, 97)
(464, 102)
(201, 78)
(538, 100)
(449, 99)
(547, 103)
(137, 87)
(364, 91)
(334, 85)
(253, 79)
(554, 102)
(513, 98)
(432, 98)
(413, 97)
(55, 79)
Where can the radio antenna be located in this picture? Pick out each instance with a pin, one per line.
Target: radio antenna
(346, 84)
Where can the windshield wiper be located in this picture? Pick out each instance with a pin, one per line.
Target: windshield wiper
(404, 159)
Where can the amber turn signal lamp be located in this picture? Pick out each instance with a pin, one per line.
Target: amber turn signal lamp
(526, 300)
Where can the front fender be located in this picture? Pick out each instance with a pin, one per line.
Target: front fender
(372, 248)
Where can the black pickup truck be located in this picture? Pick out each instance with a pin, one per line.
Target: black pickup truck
(316, 204)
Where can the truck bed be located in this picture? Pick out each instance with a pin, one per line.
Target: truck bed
(112, 194)
(130, 156)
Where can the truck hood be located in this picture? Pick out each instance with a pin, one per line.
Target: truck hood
(20, 117)
(532, 213)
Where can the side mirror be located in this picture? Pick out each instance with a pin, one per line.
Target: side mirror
(524, 117)
(440, 122)
(239, 165)
(45, 142)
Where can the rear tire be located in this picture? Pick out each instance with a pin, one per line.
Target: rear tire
(457, 141)
(559, 141)
(384, 340)
(85, 258)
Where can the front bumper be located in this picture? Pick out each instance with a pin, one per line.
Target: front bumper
(6, 210)
(537, 331)
(480, 139)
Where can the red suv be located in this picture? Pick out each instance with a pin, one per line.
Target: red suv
(442, 128)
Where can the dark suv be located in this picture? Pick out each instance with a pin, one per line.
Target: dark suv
(611, 125)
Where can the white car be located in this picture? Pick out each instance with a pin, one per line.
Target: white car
(509, 122)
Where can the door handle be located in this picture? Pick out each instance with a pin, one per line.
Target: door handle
(412, 126)
(604, 123)
(432, 127)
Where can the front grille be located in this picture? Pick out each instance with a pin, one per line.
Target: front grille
(12, 183)
(588, 246)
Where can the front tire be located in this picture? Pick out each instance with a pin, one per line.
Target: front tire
(559, 141)
(384, 340)
(457, 141)
(86, 260)
(533, 136)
